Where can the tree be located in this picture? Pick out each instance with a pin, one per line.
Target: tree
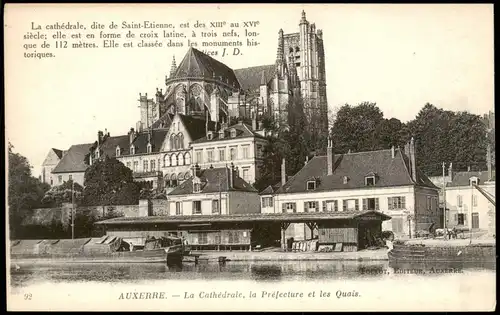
(391, 132)
(358, 128)
(25, 191)
(58, 195)
(109, 182)
(450, 137)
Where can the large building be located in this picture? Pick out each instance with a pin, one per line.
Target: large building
(387, 181)
(468, 201)
(203, 86)
(51, 160)
(201, 114)
(72, 165)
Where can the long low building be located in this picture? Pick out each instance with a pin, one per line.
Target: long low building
(353, 230)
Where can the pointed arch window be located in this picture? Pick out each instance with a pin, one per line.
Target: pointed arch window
(174, 160)
(132, 150)
(176, 142)
(166, 160)
(149, 148)
(173, 180)
(172, 142)
(187, 158)
(118, 151)
(181, 141)
(180, 159)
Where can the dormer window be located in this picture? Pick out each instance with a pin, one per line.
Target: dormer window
(149, 148)
(132, 150)
(473, 181)
(233, 133)
(311, 185)
(197, 187)
(118, 151)
(221, 134)
(345, 179)
(210, 135)
(370, 181)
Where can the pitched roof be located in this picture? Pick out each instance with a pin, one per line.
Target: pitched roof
(58, 152)
(242, 131)
(74, 159)
(251, 78)
(163, 122)
(199, 65)
(141, 141)
(109, 145)
(210, 183)
(249, 217)
(271, 189)
(196, 127)
(462, 178)
(389, 172)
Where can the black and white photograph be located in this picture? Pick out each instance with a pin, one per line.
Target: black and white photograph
(250, 157)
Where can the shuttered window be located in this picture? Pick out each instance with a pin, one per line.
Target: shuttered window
(311, 206)
(289, 207)
(396, 203)
(330, 206)
(370, 204)
(350, 204)
(215, 206)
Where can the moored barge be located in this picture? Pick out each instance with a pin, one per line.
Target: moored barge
(438, 250)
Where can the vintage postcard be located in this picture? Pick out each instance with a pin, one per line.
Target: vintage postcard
(250, 157)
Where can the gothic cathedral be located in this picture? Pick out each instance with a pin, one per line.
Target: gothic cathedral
(204, 87)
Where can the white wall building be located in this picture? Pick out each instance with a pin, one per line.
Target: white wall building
(466, 205)
(385, 180)
(213, 191)
(239, 144)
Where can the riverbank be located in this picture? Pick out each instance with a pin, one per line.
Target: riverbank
(277, 255)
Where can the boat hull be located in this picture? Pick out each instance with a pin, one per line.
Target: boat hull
(144, 256)
(422, 253)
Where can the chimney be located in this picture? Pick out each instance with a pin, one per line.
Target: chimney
(259, 125)
(413, 152)
(100, 135)
(131, 135)
(230, 181)
(197, 170)
(450, 172)
(393, 152)
(407, 153)
(254, 122)
(489, 163)
(329, 157)
(229, 176)
(283, 172)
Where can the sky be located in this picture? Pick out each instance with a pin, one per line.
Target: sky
(399, 56)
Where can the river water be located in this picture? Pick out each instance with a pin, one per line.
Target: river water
(447, 286)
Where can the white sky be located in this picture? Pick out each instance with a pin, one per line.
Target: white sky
(399, 56)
